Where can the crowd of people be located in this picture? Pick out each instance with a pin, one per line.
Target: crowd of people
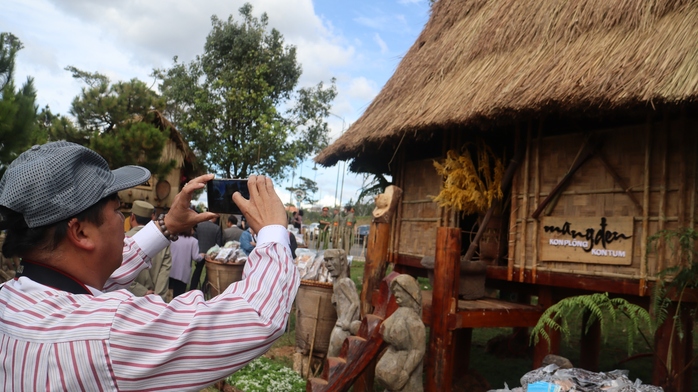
(336, 231)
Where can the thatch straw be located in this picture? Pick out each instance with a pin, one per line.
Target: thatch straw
(478, 60)
(175, 148)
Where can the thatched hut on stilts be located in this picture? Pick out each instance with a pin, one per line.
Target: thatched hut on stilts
(598, 99)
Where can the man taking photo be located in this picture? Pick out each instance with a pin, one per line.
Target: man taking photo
(66, 322)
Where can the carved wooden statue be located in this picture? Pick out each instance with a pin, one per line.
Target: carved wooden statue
(386, 204)
(344, 298)
(400, 368)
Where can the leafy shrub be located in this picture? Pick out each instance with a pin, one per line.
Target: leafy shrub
(263, 375)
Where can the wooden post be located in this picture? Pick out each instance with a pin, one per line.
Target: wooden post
(441, 338)
(513, 213)
(590, 344)
(545, 299)
(673, 354)
(376, 257)
(378, 242)
(646, 207)
(694, 170)
(524, 223)
(536, 201)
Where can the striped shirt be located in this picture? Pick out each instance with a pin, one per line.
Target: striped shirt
(51, 340)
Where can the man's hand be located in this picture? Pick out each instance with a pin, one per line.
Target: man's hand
(181, 218)
(264, 207)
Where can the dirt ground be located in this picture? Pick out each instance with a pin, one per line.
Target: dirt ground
(283, 351)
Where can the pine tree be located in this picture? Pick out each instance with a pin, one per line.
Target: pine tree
(18, 130)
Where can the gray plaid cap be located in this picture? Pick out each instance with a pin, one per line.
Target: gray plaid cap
(58, 180)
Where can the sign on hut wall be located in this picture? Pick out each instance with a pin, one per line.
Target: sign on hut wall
(596, 240)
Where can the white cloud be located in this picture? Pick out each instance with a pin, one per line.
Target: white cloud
(381, 43)
(362, 88)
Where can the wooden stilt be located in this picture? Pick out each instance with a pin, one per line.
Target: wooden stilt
(376, 263)
(441, 338)
(462, 339)
(545, 299)
(590, 344)
(673, 353)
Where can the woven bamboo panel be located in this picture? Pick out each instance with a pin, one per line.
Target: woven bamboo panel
(420, 215)
(593, 192)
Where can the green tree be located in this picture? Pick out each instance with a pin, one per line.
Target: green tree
(309, 188)
(114, 119)
(18, 128)
(59, 127)
(227, 101)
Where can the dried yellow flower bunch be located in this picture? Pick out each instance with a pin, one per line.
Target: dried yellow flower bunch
(466, 188)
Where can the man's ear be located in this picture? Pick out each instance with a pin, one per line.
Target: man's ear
(82, 234)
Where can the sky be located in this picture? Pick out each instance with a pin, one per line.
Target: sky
(359, 42)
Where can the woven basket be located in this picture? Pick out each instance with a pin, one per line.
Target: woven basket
(310, 294)
(219, 276)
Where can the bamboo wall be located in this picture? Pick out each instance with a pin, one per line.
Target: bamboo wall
(418, 216)
(655, 163)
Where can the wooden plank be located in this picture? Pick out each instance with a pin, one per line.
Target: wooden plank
(683, 196)
(645, 206)
(513, 213)
(694, 182)
(572, 281)
(485, 313)
(395, 235)
(662, 191)
(527, 159)
(413, 261)
(536, 201)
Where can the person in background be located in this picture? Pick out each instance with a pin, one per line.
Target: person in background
(66, 322)
(232, 232)
(298, 220)
(348, 231)
(248, 240)
(324, 228)
(209, 234)
(156, 279)
(336, 230)
(184, 251)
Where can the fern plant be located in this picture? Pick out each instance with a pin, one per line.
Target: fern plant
(607, 311)
(672, 286)
(674, 282)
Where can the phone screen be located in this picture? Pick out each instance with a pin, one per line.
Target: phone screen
(220, 195)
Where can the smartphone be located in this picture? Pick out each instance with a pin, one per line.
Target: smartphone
(220, 194)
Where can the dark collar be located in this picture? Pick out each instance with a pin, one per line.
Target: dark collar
(49, 276)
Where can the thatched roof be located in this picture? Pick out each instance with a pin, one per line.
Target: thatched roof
(186, 155)
(477, 61)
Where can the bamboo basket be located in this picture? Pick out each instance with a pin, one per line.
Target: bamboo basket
(219, 275)
(310, 294)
